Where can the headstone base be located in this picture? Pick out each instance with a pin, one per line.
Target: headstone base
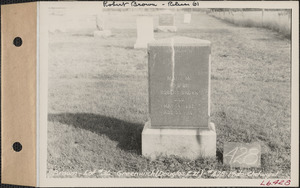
(186, 143)
(103, 34)
(166, 28)
(142, 44)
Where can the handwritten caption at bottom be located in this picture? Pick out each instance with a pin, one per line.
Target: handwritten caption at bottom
(167, 174)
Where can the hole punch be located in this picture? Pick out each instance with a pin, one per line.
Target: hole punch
(17, 146)
(17, 42)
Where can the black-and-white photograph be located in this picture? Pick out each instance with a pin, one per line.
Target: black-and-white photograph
(172, 92)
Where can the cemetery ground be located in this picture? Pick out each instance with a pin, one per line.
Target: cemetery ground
(98, 98)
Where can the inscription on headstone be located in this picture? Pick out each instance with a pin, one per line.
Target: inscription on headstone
(179, 71)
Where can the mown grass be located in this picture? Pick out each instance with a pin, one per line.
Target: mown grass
(98, 98)
(279, 21)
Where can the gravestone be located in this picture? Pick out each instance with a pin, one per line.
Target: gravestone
(144, 31)
(166, 22)
(187, 18)
(179, 99)
(101, 31)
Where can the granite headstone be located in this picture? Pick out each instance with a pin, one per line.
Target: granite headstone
(179, 100)
(179, 83)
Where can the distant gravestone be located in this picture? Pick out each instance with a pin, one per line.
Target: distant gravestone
(166, 22)
(144, 31)
(100, 25)
(179, 99)
(166, 19)
(242, 154)
(100, 22)
(187, 18)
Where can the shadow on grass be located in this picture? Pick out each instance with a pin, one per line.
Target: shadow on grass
(128, 135)
(219, 156)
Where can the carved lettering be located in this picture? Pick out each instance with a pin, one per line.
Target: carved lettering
(180, 78)
(177, 113)
(176, 92)
(178, 106)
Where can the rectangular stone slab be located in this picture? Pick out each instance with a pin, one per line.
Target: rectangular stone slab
(179, 74)
(187, 143)
(145, 32)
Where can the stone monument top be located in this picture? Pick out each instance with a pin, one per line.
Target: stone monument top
(180, 41)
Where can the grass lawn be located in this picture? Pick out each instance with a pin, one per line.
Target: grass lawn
(98, 98)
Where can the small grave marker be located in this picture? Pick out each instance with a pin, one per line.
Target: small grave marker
(166, 22)
(101, 32)
(242, 154)
(166, 19)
